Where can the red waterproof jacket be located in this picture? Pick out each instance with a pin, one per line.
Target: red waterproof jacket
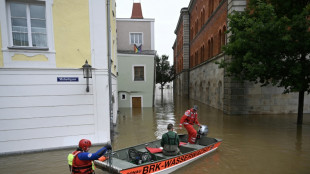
(189, 117)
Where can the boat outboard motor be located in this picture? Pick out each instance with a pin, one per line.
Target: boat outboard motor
(202, 131)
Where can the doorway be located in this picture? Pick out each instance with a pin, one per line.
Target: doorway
(136, 102)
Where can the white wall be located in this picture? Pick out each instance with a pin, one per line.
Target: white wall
(37, 112)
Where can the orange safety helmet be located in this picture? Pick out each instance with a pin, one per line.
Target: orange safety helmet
(84, 144)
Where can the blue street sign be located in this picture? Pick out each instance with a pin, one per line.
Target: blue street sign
(67, 79)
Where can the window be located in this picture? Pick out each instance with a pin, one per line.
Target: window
(201, 19)
(220, 41)
(203, 16)
(136, 38)
(192, 34)
(224, 36)
(211, 47)
(123, 96)
(196, 26)
(28, 24)
(202, 49)
(139, 73)
(196, 58)
(211, 7)
(27, 30)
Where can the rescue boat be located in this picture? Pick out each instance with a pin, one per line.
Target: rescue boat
(148, 157)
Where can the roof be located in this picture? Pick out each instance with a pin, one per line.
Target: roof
(136, 11)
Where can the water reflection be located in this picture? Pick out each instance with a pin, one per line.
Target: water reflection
(251, 143)
(164, 111)
(299, 138)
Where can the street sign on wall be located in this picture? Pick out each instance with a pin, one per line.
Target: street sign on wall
(67, 79)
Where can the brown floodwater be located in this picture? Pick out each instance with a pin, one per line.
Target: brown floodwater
(253, 144)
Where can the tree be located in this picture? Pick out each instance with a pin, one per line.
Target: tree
(164, 72)
(270, 44)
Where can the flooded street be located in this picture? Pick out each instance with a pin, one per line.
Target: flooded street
(251, 143)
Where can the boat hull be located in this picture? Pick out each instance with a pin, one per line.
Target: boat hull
(163, 164)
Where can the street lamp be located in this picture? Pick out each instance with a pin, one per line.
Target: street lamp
(87, 72)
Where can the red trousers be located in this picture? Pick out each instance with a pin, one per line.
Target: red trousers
(192, 133)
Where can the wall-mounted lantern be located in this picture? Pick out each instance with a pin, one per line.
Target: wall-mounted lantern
(87, 72)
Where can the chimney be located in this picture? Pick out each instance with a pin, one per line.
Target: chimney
(136, 11)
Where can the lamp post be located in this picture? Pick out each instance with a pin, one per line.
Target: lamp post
(87, 72)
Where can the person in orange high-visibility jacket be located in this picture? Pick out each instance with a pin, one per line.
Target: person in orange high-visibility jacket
(188, 120)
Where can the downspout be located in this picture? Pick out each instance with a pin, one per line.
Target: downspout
(109, 69)
(154, 86)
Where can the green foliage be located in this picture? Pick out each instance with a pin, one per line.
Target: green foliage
(270, 44)
(164, 72)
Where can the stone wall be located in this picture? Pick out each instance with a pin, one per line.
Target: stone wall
(271, 100)
(180, 84)
(206, 83)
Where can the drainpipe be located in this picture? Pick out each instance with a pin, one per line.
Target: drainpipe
(154, 86)
(109, 69)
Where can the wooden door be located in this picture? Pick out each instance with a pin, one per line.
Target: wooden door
(136, 102)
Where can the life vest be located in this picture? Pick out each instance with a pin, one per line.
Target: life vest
(171, 149)
(191, 117)
(81, 166)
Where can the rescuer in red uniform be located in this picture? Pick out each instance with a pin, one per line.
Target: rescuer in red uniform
(81, 161)
(188, 120)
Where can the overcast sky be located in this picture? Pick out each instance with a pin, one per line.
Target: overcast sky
(166, 14)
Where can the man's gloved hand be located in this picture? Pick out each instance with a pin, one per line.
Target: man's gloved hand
(108, 147)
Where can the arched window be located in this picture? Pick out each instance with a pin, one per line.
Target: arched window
(198, 52)
(201, 20)
(220, 38)
(191, 61)
(201, 54)
(211, 7)
(206, 52)
(192, 34)
(211, 47)
(224, 36)
(196, 58)
(196, 27)
(203, 15)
